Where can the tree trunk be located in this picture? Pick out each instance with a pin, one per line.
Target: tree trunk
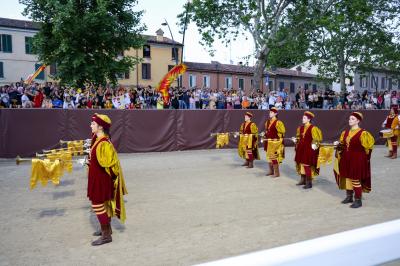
(259, 70)
(342, 78)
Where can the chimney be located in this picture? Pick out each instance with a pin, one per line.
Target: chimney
(160, 35)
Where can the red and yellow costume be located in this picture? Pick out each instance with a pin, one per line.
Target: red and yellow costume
(248, 142)
(306, 158)
(392, 122)
(352, 166)
(106, 185)
(273, 145)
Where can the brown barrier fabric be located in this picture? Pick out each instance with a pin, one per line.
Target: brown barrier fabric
(27, 131)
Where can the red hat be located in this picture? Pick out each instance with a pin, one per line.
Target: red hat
(249, 114)
(102, 120)
(357, 115)
(309, 114)
(273, 109)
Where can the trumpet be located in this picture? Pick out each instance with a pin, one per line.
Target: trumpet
(19, 160)
(85, 141)
(86, 151)
(264, 139)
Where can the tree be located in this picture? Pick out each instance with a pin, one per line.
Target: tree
(271, 23)
(85, 38)
(355, 34)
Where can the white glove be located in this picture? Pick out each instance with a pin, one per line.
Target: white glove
(336, 143)
(294, 139)
(314, 146)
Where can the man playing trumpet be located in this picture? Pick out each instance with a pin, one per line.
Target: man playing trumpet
(307, 139)
(106, 185)
(353, 173)
(248, 141)
(392, 123)
(274, 132)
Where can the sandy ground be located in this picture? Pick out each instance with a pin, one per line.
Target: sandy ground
(183, 208)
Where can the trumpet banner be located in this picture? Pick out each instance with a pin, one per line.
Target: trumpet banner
(325, 155)
(275, 148)
(246, 141)
(64, 156)
(45, 171)
(222, 140)
(76, 147)
(167, 80)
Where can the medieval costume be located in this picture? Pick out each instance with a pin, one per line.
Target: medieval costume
(273, 144)
(392, 123)
(248, 141)
(106, 185)
(352, 167)
(307, 139)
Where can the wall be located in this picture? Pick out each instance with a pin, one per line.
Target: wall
(27, 131)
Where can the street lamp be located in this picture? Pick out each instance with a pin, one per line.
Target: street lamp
(173, 41)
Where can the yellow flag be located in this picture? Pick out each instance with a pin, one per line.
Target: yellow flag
(325, 155)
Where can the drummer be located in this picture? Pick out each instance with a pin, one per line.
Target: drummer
(392, 123)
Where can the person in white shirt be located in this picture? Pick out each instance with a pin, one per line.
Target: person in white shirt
(26, 102)
(68, 103)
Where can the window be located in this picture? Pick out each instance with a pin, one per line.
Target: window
(270, 85)
(192, 81)
(292, 87)
(251, 84)
(146, 51)
(53, 69)
(146, 71)
(28, 45)
(1, 70)
(306, 86)
(390, 84)
(363, 81)
(206, 81)
(174, 52)
(228, 82)
(5, 43)
(383, 83)
(281, 85)
(41, 74)
(170, 67)
(314, 87)
(374, 82)
(241, 84)
(123, 75)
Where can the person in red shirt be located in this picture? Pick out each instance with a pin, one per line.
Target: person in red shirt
(38, 99)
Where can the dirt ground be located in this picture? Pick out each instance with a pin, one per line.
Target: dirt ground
(183, 208)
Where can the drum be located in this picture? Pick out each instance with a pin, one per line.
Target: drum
(386, 133)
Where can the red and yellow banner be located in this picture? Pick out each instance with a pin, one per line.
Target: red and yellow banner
(31, 77)
(170, 77)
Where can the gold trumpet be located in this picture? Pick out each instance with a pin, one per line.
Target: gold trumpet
(86, 142)
(57, 151)
(19, 160)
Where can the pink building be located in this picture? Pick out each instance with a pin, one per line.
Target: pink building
(218, 76)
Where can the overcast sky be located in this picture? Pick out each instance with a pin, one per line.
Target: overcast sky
(155, 13)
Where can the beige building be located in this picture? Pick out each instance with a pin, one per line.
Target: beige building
(158, 55)
(17, 60)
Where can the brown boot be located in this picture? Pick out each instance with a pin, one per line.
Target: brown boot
(276, 170)
(302, 181)
(308, 182)
(250, 164)
(98, 232)
(246, 163)
(105, 235)
(394, 156)
(389, 155)
(271, 170)
(349, 197)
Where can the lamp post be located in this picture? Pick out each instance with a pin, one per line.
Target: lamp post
(173, 41)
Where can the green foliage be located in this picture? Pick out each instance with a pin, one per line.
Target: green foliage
(84, 38)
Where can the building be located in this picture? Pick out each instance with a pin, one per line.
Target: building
(376, 79)
(223, 76)
(17, 60)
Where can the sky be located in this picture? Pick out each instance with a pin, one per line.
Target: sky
(155, 13)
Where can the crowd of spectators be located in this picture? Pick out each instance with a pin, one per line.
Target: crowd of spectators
(51, 95)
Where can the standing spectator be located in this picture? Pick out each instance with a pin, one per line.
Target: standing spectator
(38, 99)
(25, 101)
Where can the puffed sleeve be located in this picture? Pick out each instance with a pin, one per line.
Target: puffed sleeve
(395, 123)
(280, 127)
(107, 157)
(298, 132)
(253, 128)
(367, 141)
(316, 134)
(341, 139)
